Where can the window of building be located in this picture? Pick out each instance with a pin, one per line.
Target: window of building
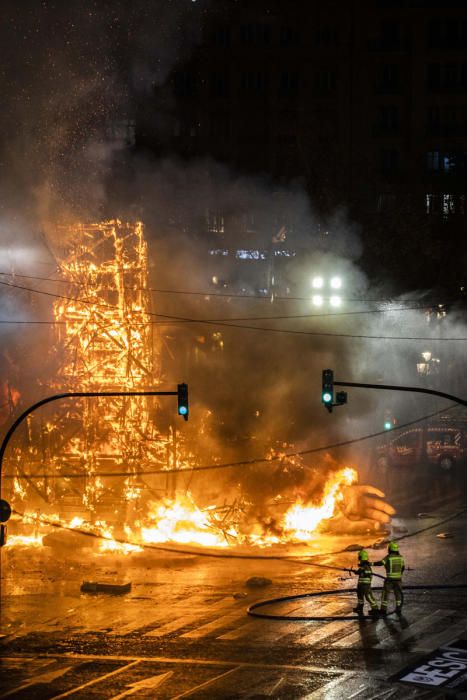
(288, 83)
(325, 80)
(389, 117)
(221, 36)
(221, 252)
(215, 223)
(326, 35)
(386, 202)
(255, 34)
(446, 203)
(433, 161)
(449, 77)
(254, 82)
(389, 78)
(251, 254)
(389, 160)
(431, 203)
(289, 36)
(219, 84)
(249, 222)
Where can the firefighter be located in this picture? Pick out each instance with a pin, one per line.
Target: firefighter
(365, 574)
(394, 565)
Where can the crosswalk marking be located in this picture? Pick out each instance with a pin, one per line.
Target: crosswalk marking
(256, 626)
(223, 621)
(336, 607)
(154, 616)
(185, 620)
(378, 630)
(436, 640)
(99, 679)
(328, 630)
(415, 628)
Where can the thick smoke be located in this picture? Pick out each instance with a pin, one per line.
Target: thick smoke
(72, 73)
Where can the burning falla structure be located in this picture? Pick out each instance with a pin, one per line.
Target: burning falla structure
(84, 465)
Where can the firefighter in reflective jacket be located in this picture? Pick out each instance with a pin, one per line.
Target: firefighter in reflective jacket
(365, 574)
(394, 565)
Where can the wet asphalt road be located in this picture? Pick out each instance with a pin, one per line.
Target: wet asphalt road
(180, 632)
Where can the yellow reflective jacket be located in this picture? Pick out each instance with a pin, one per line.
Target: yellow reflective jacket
(394, 565)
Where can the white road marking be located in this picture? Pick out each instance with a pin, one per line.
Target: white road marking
(415, 628)
(327, 691)
(436, 640)
(48, 677)
(185, 620)
(315, 633)
(201, 662)
(320, 634)
(77, 688)
(255, 628)
(223, 621)
(146, 684)
(382, 629)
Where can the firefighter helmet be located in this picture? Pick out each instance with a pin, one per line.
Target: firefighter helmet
(393, 547)
(363, 555)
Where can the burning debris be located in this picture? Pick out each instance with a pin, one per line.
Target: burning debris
(97, 452)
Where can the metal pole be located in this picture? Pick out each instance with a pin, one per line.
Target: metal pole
(414, 389)
(67, 395)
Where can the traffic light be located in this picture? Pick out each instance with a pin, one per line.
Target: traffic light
(341, 398)
(389, 420)
(182, 395)
(327, 393)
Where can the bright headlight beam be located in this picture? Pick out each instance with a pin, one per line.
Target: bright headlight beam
(336, 282)
(335, 301)
(317, 300)
(317, 282)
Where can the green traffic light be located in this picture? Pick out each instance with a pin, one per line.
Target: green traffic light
(387, 425)
(327, 397)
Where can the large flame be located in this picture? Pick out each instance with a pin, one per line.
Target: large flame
(105, 342)
(180, 521)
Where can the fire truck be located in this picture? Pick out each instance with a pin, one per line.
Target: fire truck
(443, 445)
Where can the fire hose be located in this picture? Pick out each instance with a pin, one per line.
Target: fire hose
(338, 591)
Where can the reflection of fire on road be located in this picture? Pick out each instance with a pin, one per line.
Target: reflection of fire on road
(105, 342)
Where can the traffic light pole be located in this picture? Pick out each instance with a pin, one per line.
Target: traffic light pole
(5, 510)
(414, 389)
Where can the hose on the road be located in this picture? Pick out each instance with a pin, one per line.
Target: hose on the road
(252, 610)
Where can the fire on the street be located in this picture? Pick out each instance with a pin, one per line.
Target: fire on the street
(180, 521)
(104, 339)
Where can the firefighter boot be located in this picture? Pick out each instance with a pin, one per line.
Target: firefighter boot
(359, 609)
(399, 610)
(383, 612)
(374, 612)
